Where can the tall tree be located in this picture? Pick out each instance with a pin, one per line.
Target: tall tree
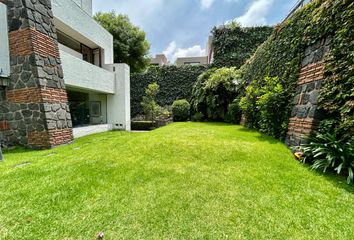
(129, 41)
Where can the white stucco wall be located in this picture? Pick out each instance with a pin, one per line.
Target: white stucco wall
(4, 43)
(86, 76)
(75, 22)
(86, 5)
(118, 105)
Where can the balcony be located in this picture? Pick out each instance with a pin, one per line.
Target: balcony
(79, 74)
(72, 20)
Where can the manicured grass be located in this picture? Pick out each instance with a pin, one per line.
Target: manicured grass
(184, 181)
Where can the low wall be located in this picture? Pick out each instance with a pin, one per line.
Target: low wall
(89, 130)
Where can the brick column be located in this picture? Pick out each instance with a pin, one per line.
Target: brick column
(305, 114)
(34, 108)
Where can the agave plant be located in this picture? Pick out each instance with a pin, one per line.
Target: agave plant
(326, 151)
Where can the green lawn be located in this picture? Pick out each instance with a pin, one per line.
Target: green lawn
(184, 181)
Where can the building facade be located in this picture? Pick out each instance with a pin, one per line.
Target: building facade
(191, 60)
(58, 80)
(159, 60)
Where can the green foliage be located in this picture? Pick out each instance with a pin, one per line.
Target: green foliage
(337, 96)
(214, 91)
(151, 108)
(262, 104)
(234, 112)
(181, 110)
(248, 104)
(143, 125)
(233, 45)
(281, 55)
(129, 41)
(327, 152)
(175, 83)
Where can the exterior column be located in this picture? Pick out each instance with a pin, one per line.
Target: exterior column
(34, 108)
(118, 105)
(305, 115)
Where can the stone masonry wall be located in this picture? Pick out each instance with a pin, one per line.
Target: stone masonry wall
(305, 114)
(33, 107)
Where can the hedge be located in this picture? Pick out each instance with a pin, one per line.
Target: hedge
(281, 55)
(143, 125)
(233, 45)
(176, 82)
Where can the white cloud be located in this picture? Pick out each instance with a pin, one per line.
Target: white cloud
(206, 3)
(256, 14)
(172, 52)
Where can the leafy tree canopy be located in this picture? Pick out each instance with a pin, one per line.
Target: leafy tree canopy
(130, 44)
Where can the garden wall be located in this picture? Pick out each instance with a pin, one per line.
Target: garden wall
(233, 45)
(311, 54)
(176, 82)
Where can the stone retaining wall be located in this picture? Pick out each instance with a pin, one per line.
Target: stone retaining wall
(305, 114)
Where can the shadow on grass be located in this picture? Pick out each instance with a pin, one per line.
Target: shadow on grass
(261, 136)
(338, 181)
(17, 150)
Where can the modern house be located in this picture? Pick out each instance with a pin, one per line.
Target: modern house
(159, 60)
(57, 76)
(191, 60)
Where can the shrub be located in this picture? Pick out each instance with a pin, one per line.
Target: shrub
(143, 125)
(234, 113)
(181, 110)
(214, 91)
(325, 151)
(198, 117)
(264, 107)
(151, 108)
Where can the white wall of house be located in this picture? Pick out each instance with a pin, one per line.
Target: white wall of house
(4, 43)
(75, 22)
(118, 105)
(86, 5)
(111, 83)
(84, 75)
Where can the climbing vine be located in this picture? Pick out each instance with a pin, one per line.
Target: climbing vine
(281, 55)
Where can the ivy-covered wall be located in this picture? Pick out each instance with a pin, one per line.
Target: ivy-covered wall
(233, 45)
(175, 83)
(282, 55)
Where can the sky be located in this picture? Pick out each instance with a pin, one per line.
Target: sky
(180, 28)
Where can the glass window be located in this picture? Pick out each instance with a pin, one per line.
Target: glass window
(68, 41)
